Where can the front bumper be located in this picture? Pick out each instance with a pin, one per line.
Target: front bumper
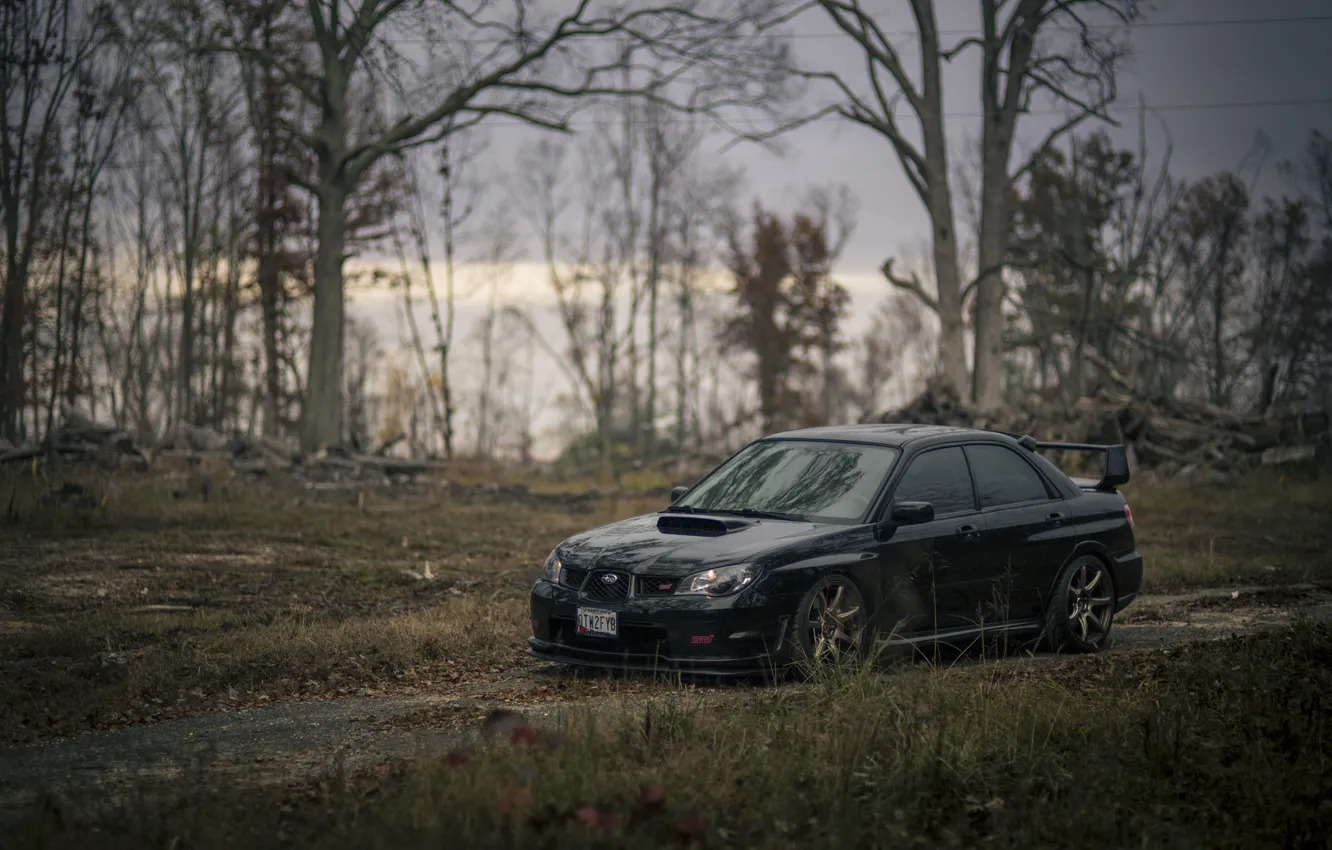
(724, 636)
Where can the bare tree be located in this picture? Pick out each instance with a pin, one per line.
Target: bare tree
(1022, 61)
(698, 209)
(588, 275)
(188, 81)
(897, 335)
(278, 260)
(1086, 225)
(501, 63)
(46, 46)
(102, 95)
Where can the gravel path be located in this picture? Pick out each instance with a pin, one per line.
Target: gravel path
(291, 741)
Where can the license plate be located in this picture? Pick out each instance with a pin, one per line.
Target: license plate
(596, 621)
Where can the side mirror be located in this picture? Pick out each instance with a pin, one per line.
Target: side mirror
(911, 513)
(677, 492)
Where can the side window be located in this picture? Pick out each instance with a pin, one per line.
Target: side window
(939, 477)
(1003, 477)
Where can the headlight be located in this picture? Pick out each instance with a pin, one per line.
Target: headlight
(551, 571)
(721, 581)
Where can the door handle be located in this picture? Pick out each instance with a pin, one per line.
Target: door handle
(968, 532)
(1056, 519)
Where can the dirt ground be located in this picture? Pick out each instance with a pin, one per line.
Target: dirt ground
(299, 741)
(271, 635)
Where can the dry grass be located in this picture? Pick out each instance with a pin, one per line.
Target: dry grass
(284, 594)
(1267, 529)
(150, 606)
(273, 592)
(1211, 746)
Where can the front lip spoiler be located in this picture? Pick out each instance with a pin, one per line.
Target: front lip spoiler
(719, 667)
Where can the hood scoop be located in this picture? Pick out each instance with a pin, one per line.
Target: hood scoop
(697, 526)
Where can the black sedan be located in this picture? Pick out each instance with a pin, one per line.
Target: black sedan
(826, 542)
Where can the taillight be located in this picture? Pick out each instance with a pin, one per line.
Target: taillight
(1128, 515)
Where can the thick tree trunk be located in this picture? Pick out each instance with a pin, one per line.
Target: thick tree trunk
(321, 415)
(987, 388)
(11, 346)
(12, 320)
(938, 199)
(952, 327)
(268, 287)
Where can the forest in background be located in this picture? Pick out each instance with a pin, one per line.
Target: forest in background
(183, 182)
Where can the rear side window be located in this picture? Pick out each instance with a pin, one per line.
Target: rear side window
(1004, 478)
(939, 477)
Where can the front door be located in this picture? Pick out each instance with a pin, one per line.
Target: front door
(928, 568)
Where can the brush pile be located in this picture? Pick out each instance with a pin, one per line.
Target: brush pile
(1169, 437)
(81, 441)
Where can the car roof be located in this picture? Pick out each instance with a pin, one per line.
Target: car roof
(886, 434)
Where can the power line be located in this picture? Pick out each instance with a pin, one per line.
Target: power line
(968, 33)
(772, 125)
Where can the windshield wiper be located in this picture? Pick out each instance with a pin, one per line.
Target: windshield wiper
(757, 514)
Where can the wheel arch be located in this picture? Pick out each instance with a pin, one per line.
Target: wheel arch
(857, 567)
(1084, 547)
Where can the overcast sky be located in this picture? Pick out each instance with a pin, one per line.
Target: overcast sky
(1213, 77)
(1210, 69)
(1212, 82)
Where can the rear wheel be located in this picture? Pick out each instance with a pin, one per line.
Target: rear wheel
(830, 623)
(1082, 609)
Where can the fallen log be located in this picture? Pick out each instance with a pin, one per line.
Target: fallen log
(1288, 455)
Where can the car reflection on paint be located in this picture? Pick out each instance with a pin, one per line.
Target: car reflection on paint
(813, 544)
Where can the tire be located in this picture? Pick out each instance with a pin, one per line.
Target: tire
(1082, 608)
(841, 603)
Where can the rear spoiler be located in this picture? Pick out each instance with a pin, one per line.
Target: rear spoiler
(1115, 472)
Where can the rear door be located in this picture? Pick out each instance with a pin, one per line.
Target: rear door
(1028, 536)
(926, 565)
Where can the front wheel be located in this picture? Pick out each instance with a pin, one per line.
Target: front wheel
(1082, 608)
(830, 623)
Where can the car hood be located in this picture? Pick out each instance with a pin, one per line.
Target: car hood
(636, 545)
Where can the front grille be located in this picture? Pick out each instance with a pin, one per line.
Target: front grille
(656, 585)
(601, 589)
(572, 577)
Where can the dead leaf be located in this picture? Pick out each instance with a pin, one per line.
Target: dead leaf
(513, 796)
(523, 734)
(689, 829)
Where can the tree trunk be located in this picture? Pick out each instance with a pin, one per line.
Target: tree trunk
(268, 287)
(446, 331)
(987, 388)
(939, 203)
(66, 226)
(654, 275)
(682, 380)
(11, 332)
(948, 279)
(80, 293)
(321, 415)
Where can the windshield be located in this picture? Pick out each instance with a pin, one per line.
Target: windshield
(806, 479)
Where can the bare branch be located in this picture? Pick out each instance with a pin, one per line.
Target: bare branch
(911, 284)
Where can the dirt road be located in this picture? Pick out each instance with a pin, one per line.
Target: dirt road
(293, 741)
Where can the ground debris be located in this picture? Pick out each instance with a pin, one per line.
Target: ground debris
(1188, 439)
